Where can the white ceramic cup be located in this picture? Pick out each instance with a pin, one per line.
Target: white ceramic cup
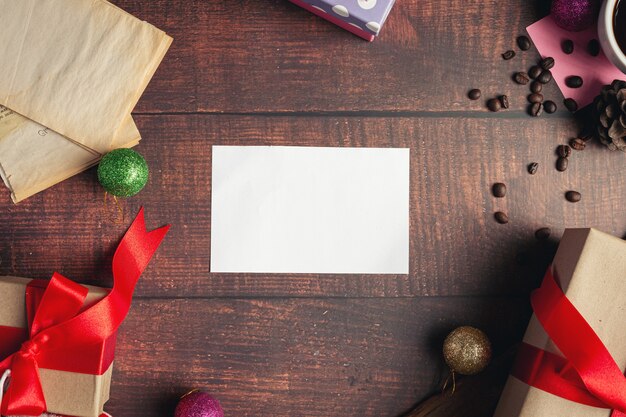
(606, 35)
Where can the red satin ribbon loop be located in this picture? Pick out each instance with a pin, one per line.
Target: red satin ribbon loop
(63, 337)
(587, 374)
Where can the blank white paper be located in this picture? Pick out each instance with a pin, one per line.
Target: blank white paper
(284, 209)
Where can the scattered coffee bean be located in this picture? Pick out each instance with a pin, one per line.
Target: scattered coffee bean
(501, 217)
(474, 94)
(523, 42)
(567, 46)
(573, 196)
(593, 47)
(543, 233)
(494, 104)
(533, 167)
(498, 190)
(521, 78)
(549, 106)
(545, 77)
(536, 87)
(504, 101)
(547, 63)
(534, 71)
(574, 81)
(536, 109)
(563, 151)
(571, 104)
(578, 144)
(561, 164)
(535, 98)
(508, 55)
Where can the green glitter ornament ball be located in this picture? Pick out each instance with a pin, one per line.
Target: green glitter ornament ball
(123, 172)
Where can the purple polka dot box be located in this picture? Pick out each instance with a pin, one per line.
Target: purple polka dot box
(361, 17)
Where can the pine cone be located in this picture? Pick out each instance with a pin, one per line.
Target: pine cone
(610, 115)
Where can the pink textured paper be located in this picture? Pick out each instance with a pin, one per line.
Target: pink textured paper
(595, 71)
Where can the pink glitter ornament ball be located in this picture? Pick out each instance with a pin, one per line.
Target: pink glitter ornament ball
(575, 15)
(198, 404)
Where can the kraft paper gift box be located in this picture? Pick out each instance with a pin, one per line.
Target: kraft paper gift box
(364, 18)
(67, 393)
(590, 267)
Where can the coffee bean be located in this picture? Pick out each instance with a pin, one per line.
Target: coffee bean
(574, 81)
(545, 77)
(504, 101)
(508, 55)
(533, 167)
(567, 46)
(474, 94)
(501, 217)
(536, 87)
(535, 98)
(523, 42)
(593, 47)
(494, 104)
(547, 63)
(498, 190)
(563, 151)
(534, 71)
(549, 106)
(536, 109)
(521, 78)
(571, 104)
(573, 196)
(543, 233)
(578, 144)
(561, 164)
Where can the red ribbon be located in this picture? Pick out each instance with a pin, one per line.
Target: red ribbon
(63, 337)
(587, 374)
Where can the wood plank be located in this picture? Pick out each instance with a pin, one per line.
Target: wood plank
(295, 357)
(456, 246)
(247, 56)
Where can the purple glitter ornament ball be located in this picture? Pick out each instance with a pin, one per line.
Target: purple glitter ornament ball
(575, 15)
(198, 404)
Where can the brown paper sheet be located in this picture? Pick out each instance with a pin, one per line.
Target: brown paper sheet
(77, 67)
(66, 393)
(591, 267)
(33, 157)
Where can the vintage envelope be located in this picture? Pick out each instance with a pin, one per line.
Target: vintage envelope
(77, 67)
(33, 157)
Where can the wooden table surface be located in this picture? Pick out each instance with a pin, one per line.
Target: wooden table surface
(252, 72)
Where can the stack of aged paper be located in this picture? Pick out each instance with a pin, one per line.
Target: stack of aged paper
(71, 71)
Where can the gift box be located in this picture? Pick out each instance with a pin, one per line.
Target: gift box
(364, 18)
(573, 355)
(20, 298)
(57, 337)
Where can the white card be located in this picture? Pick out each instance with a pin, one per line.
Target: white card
(310, 210)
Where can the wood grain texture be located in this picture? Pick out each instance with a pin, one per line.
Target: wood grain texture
(244, 72)
(294, 357)
(272, 56)
(456, 246)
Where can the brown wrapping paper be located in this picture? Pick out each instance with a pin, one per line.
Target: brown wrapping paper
(67, 393)
(591, 267)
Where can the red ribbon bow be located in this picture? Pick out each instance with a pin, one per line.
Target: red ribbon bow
(59, 327)
(587, 374)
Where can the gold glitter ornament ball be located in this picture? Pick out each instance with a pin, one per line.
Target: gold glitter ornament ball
(467, 350)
